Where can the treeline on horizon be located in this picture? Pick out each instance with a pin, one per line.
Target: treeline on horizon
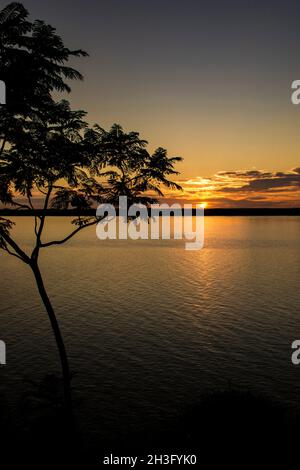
(250, 211)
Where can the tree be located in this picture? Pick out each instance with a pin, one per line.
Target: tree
(50, 150)
(32, 64)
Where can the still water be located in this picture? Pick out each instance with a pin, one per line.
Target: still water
(149, 326)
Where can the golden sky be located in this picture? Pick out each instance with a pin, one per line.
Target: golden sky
(243, 188)
(209, 81)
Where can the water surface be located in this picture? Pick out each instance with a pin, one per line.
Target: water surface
(149, 326)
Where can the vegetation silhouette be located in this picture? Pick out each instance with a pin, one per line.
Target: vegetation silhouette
(48, 149)
(220, 427)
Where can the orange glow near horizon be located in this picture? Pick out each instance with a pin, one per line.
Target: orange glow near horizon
(234, 188)
(242, 188)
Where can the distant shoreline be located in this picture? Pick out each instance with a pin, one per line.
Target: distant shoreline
(208, 212)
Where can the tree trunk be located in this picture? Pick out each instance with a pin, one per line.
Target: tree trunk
(58, 338)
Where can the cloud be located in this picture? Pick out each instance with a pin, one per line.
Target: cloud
(244, 188)
(263, 183)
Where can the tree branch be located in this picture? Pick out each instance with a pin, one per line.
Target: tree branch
(11, 253)
(35, 217)
(71, 235)
(35, 252)
(21, 254)
(21, 206)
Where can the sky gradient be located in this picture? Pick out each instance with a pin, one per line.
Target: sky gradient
(210, 81)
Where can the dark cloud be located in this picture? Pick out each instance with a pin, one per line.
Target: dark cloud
(258, 182)
(244, 174)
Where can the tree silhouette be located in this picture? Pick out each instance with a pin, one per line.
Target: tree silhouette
(48, 150)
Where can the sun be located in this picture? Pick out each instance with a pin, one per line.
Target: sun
(203, 204)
